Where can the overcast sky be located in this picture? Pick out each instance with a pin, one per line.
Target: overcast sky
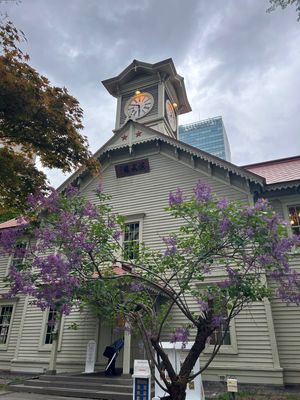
(238, 62)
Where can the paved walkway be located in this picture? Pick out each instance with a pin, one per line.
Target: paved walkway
(33, 396)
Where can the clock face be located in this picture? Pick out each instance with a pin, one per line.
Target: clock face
(171, 116)
(139, 105)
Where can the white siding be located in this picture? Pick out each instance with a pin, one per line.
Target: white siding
(287, 329)
(148, 194)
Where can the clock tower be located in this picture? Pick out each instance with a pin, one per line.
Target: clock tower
(151, 94)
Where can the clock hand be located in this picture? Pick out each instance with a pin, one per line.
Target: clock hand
(139, 108)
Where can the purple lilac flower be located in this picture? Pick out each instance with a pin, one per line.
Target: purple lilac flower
(265, 259)
(180, 335)
(249, 232)
(204, 307)
(224, 284)
(223, 203)
(47, 235)
(261, 205)
(171, 243)
(288, 286)
(99, 188)
(65, 309)
(280, 247)
(224, 226)
(176, 198)
(20, 252)
(136, 287)
(117, 234)
(90, 210)
(248, 211)
(111, 223)
(203, 193)
(232, 274)
(22, 282)
(8, 239)
(203, 218)
(217, 320)
(71, 190)
(40, 200)
(80, 241)
(296, 240)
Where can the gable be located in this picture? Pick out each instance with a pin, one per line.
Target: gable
(166, 173)
(147, 194)
(134, 140)
(130, 135)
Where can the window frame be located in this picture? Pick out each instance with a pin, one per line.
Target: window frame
(130, 219)
(287, 207)
(220, 332)
(224, 348)
(12, 258)
(48, 346)
(12, 303)
(291, 201)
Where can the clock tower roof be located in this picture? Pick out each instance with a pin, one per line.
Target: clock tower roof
(139, 71)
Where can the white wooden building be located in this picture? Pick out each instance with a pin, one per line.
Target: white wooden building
(141, 163)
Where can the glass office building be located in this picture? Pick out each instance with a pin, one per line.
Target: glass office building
(208, 135)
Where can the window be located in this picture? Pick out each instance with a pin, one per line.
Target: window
(50, 327)
(229, 344)
(5, 320)
(131, 240)
(19, 255)
(294, 218)
(217, 335)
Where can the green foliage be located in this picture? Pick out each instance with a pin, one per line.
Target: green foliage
(222, 257)
(36, 119)
(73, 326)
(18, 178)
(283, 4)
(6, 215)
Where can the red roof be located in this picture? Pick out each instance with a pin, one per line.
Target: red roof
(118, 269)
(12, 223)
(276, 171)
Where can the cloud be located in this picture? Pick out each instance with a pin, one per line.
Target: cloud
(238, 62)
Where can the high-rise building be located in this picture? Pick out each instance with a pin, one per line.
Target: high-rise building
(208, 135)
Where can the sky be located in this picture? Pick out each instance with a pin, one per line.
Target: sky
(237, 61)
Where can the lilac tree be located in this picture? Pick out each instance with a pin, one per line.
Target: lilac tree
(74, 246)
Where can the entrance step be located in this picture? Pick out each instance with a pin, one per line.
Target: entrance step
(82, 386)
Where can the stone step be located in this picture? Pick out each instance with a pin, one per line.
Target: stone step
(95, 385)
(115, 380)
(83, 393)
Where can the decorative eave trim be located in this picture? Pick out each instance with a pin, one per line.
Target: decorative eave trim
(282, 185)
(193, 151)
(165, 67)
(160, 137)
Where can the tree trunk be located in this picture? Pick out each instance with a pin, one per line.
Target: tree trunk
(178, 392)
(53, 355)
